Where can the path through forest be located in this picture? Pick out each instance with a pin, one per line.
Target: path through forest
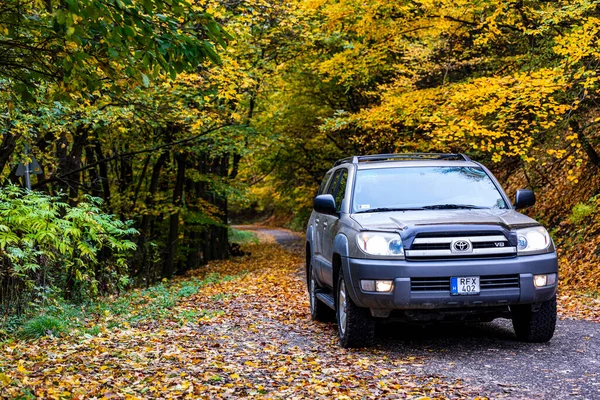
(249, 334)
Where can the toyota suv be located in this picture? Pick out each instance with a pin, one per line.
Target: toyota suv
(426, 238)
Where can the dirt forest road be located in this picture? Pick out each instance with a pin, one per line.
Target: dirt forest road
(488, 357)
(246, 333)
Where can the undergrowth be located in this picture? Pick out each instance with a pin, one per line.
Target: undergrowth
(50, 249)
(242, 237)
(154, 304)
(568, 210)
(581, 212)
(53, 315)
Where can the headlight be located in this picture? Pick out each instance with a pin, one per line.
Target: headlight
(380, 243)
(533, 240)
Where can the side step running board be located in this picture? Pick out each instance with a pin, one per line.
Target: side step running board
(327, 299)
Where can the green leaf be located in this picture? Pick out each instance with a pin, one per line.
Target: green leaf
(60, 17)
(179, 66)
(145, 80)
(148, 6)
(113, 53)
(146, 60)
(211, 54)
(129, 31)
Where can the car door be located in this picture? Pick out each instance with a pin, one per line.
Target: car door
(318, 224)
(331, 224)
(321, 222)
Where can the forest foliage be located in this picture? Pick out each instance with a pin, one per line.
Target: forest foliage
(47, 244)
(176, 113)
(513, 84)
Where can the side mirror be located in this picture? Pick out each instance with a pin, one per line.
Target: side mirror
(524, 198)
(325, 204)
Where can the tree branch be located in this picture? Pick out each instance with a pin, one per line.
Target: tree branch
(128, 154)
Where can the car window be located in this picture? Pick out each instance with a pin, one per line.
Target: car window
(341, 190)
(324, 183)
(425, 188)
(333, 183)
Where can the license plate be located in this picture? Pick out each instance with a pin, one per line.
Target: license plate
(464, 285)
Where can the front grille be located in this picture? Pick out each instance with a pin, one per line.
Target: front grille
(430, 246)
(455, 234)
(469, 244)
(499, 282)
(485, 283)
(429, 284)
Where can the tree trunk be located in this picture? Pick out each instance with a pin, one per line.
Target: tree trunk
(140, 181)
(194, 255)
(71, 161)
(585, 144)
(42, 144)
(220, 237)
(126, 174)
(146, 219)
(95, 185)
(103, 169)
(7, 148)
(61, 156)
(236, 156)
(172, 241)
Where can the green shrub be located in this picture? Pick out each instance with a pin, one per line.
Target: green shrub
(242, 237)
(580, 212)
(187, 291)
(93, 331)
(51, 249)
(42, 325)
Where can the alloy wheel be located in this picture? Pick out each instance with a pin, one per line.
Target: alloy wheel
(342, 316)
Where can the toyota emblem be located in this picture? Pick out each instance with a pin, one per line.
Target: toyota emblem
(461, 246)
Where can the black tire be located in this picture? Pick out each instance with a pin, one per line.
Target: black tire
(319, 311)
(535, 326)
(355, 328)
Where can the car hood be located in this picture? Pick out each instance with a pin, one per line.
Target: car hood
(409, 219)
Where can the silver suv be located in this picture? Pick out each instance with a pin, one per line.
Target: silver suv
(426, 238)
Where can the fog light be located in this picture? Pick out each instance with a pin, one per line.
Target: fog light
(367, 285)
(384, 286)
(540, 280)
(544, 280)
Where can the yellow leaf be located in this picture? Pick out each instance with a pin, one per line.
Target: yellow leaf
(4, 379)
(21, 368)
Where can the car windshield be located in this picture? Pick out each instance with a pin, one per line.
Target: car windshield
(424, 188)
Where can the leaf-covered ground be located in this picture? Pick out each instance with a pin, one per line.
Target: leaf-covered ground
(237, 328)
(248, 336)
(578, 305)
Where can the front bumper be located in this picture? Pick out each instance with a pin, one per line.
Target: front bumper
(404, 296)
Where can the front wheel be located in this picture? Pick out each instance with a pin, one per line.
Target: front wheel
(535, 326)
(355, 328)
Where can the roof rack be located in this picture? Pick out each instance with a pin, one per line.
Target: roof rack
(402, 157)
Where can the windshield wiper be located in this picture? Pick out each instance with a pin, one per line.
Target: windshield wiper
(453, 207)
(386, 209)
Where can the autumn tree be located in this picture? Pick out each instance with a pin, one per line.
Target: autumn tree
(113, 99)
(513, 83)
